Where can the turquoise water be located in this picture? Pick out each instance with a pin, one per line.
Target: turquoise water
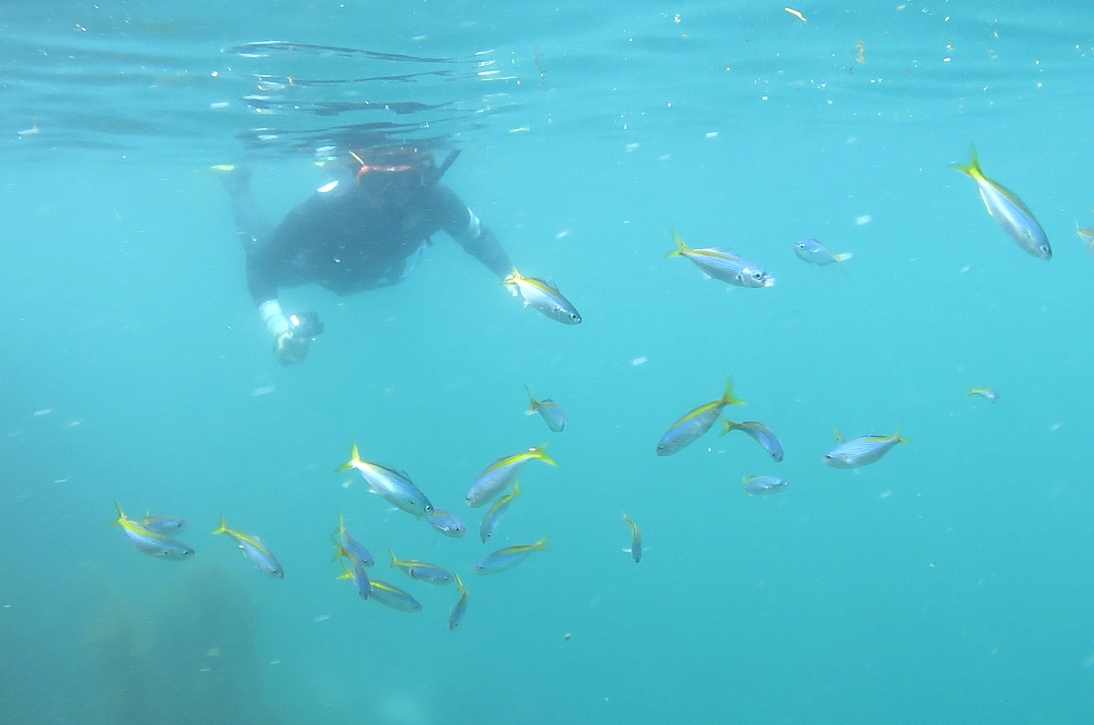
(950, 582)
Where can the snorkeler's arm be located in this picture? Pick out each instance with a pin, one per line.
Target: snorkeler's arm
(477, 239)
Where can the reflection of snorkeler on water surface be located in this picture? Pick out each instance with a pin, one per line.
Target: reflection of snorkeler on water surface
(364, 230)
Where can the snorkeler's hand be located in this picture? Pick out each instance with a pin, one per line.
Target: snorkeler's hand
(292, 349)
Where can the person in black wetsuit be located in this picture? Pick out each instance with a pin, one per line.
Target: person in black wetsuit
(364, 230)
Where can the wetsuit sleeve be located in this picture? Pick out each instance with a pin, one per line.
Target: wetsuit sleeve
(266, 262)
(477, 239)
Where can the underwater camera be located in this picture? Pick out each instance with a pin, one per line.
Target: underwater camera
(306, 325)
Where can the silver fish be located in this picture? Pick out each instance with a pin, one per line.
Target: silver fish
(723, 265)
(862, 450)
(759, 433)
(763, 485)
(1008, 211)
(548, 410)
(393, 486)
(812, 251)
(544, 297)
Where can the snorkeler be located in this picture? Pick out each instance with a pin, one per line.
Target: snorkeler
(364, 230)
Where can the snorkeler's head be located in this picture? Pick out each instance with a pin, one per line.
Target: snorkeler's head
(394, 175)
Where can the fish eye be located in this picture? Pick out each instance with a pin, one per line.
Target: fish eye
(757, 275)
(800, 245)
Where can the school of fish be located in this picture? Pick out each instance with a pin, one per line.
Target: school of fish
(498, 485)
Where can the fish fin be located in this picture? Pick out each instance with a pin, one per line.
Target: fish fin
(539, 453)
(971, 169)
(681, 248)
(727, 396)
(533, 404)
(223, 528)
(896, 436)
(355, 458)
(340, 550)
(839, 436)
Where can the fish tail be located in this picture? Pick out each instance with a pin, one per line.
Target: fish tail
(516, 489)
(727, 426)
(121, 515)
(842, 257)
(394, 559)
(339, 550)
(459, 583)
(539, 453)
(681, 248)
(223, 528)
(839, 436)
(355, 457)
(973, 167)
(346, 573)
(533, 404)
(540, 545)
(727, 396)
(896, 436)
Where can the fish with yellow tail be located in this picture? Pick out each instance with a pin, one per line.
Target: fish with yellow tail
(149, 542)
(862, 450)
(813, 252)
(253, 548)
(391, 485)
(460, 610)
(723, 265)
(501, 474)
(543, 297)
(507, 558)
(636, 539)
(548, 410)
(692, 426)
(358, 575)
(348, 546)
(988, 394)
(1007, 210)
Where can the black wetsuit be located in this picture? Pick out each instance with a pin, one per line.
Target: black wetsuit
(339, 240)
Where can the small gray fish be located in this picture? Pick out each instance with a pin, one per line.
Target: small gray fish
(636, 539)
(763, 485)
(253, 548)
(862, 450)
(359, 577)
(723, 265)
(493, 517)
(149, 542)
(507, 558)
(447, 523)
(393, 596)
(422, 571)
(348, 546)
(460, 610)
(501, 474)
(692, 426)
(812, 251)
(164, 525)
(759, 433)
(544, 297)
(548, 409)
(988, 394)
